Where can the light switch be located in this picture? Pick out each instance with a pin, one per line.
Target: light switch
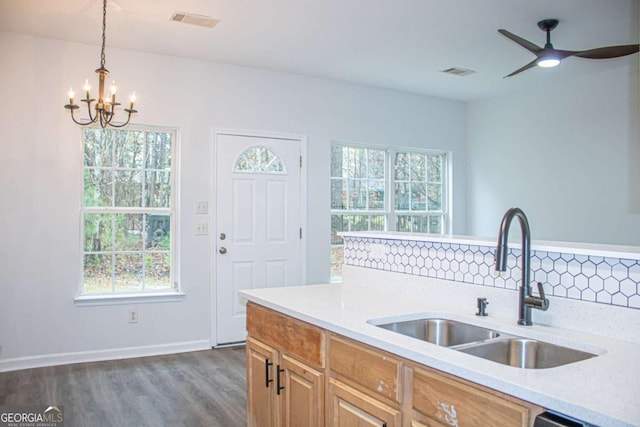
(202, 228)
(201, 207)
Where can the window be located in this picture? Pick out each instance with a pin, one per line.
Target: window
(419, 192)
(259, 159)
(128, 211)
(361, 201)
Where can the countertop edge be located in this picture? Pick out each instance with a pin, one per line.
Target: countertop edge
(577, 248)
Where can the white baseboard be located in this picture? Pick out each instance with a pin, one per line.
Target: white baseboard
(98, 355)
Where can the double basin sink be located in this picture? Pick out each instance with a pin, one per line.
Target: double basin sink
(488, 343)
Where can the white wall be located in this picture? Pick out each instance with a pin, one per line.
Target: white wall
(567, 154)
(40, 178)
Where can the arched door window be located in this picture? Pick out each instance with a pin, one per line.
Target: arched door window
(258, 159)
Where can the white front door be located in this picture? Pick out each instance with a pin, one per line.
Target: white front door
(258, 238)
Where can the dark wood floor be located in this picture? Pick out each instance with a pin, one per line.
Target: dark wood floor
(203, 388)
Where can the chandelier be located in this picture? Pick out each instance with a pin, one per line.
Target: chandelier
(105, 107)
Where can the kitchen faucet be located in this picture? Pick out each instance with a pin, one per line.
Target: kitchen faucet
(526, 300)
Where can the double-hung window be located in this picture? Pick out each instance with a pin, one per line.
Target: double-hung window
(128, 212)
(376, 189)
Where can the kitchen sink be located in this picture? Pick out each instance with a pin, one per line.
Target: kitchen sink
(526, 353)
(442, 332)
(486, 343)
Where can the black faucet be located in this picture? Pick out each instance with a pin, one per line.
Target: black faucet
(526, 300)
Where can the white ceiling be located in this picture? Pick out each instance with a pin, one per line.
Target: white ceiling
(397, 44)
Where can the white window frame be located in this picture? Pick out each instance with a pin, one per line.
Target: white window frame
(174, 292)
(390, 214)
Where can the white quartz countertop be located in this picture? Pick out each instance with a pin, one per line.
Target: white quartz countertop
(590, 249)
(602, 390)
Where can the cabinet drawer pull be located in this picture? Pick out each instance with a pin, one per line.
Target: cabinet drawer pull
(266, 372)
(278, 386)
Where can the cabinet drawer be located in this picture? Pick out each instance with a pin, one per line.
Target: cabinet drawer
(349, 407)
(370, 368)
(297, 338)
(453, 402)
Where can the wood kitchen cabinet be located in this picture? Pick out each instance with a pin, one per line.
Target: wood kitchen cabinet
(262, 404)
(364, 386)
(301, 375)
(438, 399)
(285, 382)
(349, 407)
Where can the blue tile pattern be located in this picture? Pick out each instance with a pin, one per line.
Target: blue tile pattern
(602, 280)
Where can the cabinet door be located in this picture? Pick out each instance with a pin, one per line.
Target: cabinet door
(262, 408)
(303, 394)
(350, 408)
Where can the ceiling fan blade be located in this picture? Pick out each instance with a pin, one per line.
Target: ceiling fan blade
(521, 69)
(562, 54)
(608, 52)
(531, 47)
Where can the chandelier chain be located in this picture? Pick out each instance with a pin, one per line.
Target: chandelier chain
(104, 32)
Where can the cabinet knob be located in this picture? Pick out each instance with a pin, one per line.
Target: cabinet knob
(223, 250)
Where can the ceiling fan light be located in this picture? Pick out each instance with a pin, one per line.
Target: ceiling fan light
(548, 62)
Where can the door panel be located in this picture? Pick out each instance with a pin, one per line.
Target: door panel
(276, 273)
(258, 208)
(243, 211)
(276, 213)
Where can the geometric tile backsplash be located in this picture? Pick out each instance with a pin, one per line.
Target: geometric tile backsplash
(602, 280)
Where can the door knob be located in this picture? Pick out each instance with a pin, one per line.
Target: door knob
(223, 250)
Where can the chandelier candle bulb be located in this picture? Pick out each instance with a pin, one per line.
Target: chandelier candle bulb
(87, 88)
(71, 95)
(132, 100)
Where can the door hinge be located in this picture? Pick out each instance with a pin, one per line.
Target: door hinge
(300, 162)
(301, 232)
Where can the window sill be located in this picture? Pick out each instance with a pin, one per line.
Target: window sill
(91, 300)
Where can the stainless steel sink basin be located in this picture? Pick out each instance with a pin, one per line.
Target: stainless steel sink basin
(526, 353)
(442, 332)
(488, 344)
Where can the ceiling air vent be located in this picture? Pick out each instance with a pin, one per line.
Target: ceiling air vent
(458, 71)
(190, 18)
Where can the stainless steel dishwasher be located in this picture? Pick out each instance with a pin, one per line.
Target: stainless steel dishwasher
(548, 419)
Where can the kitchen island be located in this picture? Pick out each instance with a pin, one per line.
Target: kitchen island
(602, 390)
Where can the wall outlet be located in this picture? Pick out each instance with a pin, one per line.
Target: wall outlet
(378, 251)
(202, 228)
(133, 316)
(201, 207)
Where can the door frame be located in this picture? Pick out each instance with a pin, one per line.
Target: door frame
(213, 260)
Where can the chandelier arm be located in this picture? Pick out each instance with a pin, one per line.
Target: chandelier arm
(123, 124)
(104, 121)
(79, 123)
(92, 118)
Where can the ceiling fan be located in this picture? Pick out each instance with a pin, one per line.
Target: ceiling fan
(550, 57)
